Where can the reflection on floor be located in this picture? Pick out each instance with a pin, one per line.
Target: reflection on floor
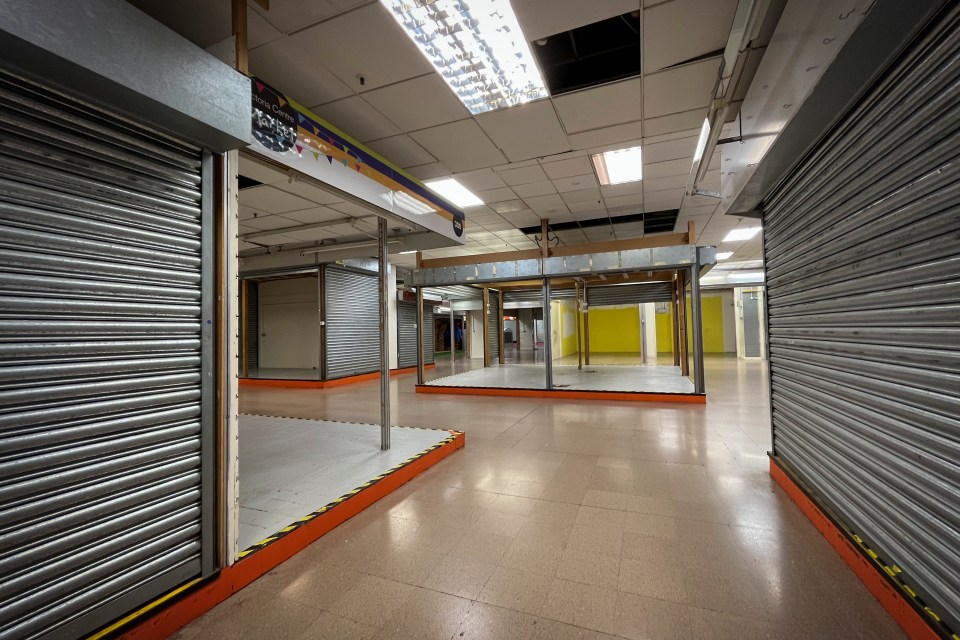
(290, 467)
(648, 378)
(284, 374)
(564, 519)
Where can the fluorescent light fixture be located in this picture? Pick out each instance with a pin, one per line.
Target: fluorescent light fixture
(617, 167)
(405, 253)
(723, 255)
(411, 204)
(455, 192)
(739, 235)
(476, 47)
(702, 142)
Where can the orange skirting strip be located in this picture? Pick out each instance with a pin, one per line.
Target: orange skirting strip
(627, 396)
(887, 594)
(233, 578)
(322, 384)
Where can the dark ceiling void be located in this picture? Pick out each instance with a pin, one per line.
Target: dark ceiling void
(243, 182)
(653, 222)
(590, 55)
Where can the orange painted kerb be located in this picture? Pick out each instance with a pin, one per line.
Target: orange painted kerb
(889, 596)
(323, 384)
(234, 578)
(627, 396)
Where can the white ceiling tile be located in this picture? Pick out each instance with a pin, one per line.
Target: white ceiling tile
(679, 89)
(270, 200)
(316, 214)
(206, 22)
(541, 188)
(675, 122)
(541, 18)
(681, 30)
(546, 204)
(652, 185)
(480, 211)
(627, 188)
(496, 195)
(263, 222)
(608, 136)
(461, 146)
(524, 218)
(256, 170)
(507, 206)
(367, 41)
(418, 103)
(402, 151)
(311, 192)
(352, 208)
(522, 175)
(603, 106)
(586, 210)
(282, 65)
(565, 168)
(669, 168)
(292, 15)
(527, 131)
(634, 200)
(588, 196)
(428, 171)
(312, 235)
(357, 119)
(576, 183)
(480, 180)
(672, 150)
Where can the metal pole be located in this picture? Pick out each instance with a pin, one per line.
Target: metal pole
(698, 380)
(384, 338)
(682, 324)
(420, 330)
(675, 321)
(547, 342)
(576, 288)
(486, 327)
(586, 327)
(453, 336)
(503, 347)
(643, 333)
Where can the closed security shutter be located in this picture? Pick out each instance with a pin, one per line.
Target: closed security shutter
(862, 249)
(352, 306)
(406, 334)
(427, 334)
(494, 328)
(751, 325)
(105, 427)
(623, 294)
(253, 325)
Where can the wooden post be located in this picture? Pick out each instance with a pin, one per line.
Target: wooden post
(486, 327)
(238, 15)
(684, 360)
(244, 344)
(500, 326)
(675, 322)
(419, 259)
(578, 323)
(691, 232)
(544, 243)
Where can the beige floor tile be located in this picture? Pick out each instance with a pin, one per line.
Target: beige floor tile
(516, 590)
(374, 601)
(482, 548)
(487, 622)
(582, 605)
(596, 540)
(715, 625)
(641, 618)
(428, 614)
(458, 577)
(553, 630)
(589, 568)
(655, 580)
(524, 555)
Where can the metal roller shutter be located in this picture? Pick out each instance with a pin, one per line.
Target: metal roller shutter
(105, 423)
(406, 334)
(536, 295)
(427, 334)
(253, 324)
(352, 323)
(862, 248)
(623, 294)
(751, 325)
(494, 329)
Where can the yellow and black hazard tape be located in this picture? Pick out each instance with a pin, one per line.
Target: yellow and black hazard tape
(290, 528)
(892, 571)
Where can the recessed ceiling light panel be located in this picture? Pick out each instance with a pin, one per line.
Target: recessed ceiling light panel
(455, 192)
(619, 166)
(723, 255)
(739, 235)
(476, 46)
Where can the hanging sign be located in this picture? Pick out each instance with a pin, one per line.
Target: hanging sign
(294, 137)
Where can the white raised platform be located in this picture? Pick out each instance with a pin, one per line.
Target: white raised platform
(290, 467)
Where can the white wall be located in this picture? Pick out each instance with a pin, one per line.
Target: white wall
(392, 314)
(729, 321)
(650, 332)
(527, 337)
(476, 333)
(289, 324)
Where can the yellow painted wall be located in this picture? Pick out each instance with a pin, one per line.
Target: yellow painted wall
(563, 327)
(615, 329)
(711, 311)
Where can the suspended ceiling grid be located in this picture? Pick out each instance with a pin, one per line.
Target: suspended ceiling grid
(525, 163)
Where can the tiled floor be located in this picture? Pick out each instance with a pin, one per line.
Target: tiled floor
(564, 520)
(330, 459)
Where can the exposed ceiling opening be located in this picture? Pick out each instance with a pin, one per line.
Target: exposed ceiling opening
(652, 222)
(243, 182)
(590, 55)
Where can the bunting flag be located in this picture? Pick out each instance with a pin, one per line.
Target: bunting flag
(260, 87)
(299, 148)
(357, 166)
(316, 156)
(343, 161)
(330, 159)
